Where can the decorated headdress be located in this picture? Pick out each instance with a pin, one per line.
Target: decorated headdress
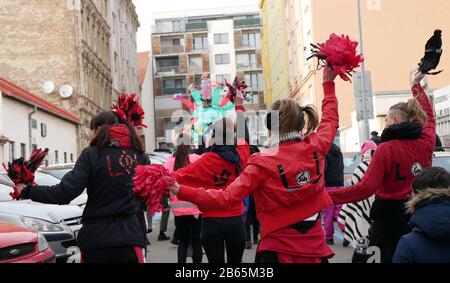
(129, 110)
(433, 52)
(339, 53)
(207, 109)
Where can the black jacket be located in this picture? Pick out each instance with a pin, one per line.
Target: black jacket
(334, 167)
(113, 216)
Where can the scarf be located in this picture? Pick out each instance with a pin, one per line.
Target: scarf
(402, 131)
(228, 153)
(291, 136)
(119, 136)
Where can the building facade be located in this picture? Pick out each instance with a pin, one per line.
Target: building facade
(37, 124)
(148, 100)
(442, 108)
(124, 62)
(70, 43)
(220, 43)
(392, 48)
(274, 50)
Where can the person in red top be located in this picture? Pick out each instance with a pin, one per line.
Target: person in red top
(287, 183)
(407, 148)
(217, 168)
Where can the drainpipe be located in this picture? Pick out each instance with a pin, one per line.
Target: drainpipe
(30, 128)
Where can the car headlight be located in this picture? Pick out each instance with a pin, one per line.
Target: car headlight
(41, 225)
(42, 243)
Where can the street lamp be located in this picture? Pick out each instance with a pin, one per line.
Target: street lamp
(366, 128)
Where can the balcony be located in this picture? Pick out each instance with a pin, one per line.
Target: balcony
(196, 26)
(175, 90)
(168, 28)
(173, 70)
(172, 49)
(245, 23)
(247, 67)
(196, 69)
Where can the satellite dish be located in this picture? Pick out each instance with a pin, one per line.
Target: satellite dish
(48, 87)
(66, 91)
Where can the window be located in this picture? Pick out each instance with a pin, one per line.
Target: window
(251, 40)
(11, 151)
(65, 157)
(43, 130)
(195, 63)
(174, 83)
(34, 123)
(222, 78)
(222, 59)
(221, 38)
(71, 157)
(246, 60)
(168, 62)
(200, 43)
(255, 81)
(23, 149)
(56, 157)
(172, 42)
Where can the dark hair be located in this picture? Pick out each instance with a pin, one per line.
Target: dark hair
(182, 152)
(109, 118)
(431, 178)
(296, 118)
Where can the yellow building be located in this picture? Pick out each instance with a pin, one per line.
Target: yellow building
(395, 33)
(274, 51)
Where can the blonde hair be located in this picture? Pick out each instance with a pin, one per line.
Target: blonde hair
(296, 118)
(411, 111)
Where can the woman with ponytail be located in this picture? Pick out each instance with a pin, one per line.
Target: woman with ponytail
(406, 150)
(114, 227)
(287, 182)
(187, 215)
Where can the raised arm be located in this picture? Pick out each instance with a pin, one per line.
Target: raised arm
(71, 186)
(329, 123)
(429, 130)
(242, 187)
(369, 185)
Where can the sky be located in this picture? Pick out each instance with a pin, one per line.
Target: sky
(145, 8)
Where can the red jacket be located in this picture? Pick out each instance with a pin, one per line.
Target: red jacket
(287, 181)
(394, 164)
(212, 172)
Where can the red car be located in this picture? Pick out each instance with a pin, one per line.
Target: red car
(19, 245)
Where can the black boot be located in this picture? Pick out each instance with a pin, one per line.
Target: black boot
(163, 237)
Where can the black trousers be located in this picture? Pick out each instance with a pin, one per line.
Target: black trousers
(389, 224)
(188, 232)
(112, 255)
(220, 234)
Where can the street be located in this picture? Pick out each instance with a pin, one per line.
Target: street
(165, 252)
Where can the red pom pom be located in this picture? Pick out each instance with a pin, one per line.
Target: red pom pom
(150, 183)
(340, 54)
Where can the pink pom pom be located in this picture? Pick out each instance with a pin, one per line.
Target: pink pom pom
(150, 183)
(178, 96)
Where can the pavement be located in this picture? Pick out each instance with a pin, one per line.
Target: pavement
(165, 252)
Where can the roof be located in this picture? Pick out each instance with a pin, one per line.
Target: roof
(143, 59)
(13, 91)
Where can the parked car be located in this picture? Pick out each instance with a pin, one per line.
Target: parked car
(52, 175)
(20, 245)
(59, 224)
(442, 159)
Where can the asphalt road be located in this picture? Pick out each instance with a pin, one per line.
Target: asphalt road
(165, 252)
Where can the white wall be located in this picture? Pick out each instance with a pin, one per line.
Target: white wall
(61, 135)
(148, 103)
(216, 27)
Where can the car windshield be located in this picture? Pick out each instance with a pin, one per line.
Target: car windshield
(442, 161)
(44, 179)
(57, 173)
(350, 163)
